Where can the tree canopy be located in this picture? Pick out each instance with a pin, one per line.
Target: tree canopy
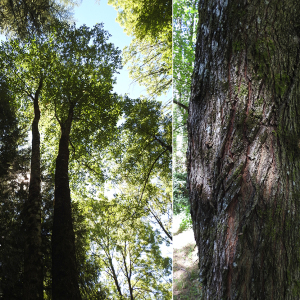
(149, 56)
(25, 17)
(111, 139)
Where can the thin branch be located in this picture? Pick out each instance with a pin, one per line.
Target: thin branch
(168, 147)
(149, 172)
(181, 105)
(161, 225)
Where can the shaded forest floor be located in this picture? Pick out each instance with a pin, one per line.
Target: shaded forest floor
(185, 263)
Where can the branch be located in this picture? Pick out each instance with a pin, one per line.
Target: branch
(149, 172)
(72, 146)
(55, 112)
(168, 147)
(181, 105)
(161, 224)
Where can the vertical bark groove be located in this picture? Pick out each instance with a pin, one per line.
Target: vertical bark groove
(243, 150)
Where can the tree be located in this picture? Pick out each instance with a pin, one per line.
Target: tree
(8, 126)
(146, 163)
(146, 169)
(136, 165)
(243, 149)
(82, 100)
(150, 52)
(33, 271)
(88, 266)
(25, 17)
(185, 25)
(184, 36)
(129, 250)
(13, 192)
(29, 87)
(80, 106)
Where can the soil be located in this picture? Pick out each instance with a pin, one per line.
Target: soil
(185, 263)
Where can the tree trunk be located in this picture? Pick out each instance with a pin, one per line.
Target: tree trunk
(244, 149)
(115, 277)
(33, 263)
(64, 268)
(127, 274)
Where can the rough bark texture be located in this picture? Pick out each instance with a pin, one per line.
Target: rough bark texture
(64, 268)
(33, 270)
(244, 149)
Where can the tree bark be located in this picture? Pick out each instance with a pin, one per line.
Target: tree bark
(33, 263)
(64, 268)
(115, 277)
(127, 272)
(244, 150)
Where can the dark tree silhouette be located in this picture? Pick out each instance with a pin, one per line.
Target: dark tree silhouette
(33, 262)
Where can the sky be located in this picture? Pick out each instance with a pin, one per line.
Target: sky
(91, 12)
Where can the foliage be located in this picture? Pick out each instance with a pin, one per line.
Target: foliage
(181, 203)
(137, 167)
(76, 66)
(180, 192)
(129, 250)
(54, 63)
(89, 269)
(10, 133)
(184, 36)
(186, 221)
(150, 52)
(88, 90)
(144, 164)
(145, 19)
(25, 17)
(149, 65)
(13, 192)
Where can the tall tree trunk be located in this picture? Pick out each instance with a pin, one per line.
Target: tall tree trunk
(115, 277)
(33, 264)
(244, 149)
(128, 274)
(64, 268)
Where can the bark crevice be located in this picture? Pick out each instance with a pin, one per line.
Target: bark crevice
(243, 151)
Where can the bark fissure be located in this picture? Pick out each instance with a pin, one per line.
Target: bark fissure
(243, 153)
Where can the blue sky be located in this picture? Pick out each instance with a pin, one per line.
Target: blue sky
(90, 13)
